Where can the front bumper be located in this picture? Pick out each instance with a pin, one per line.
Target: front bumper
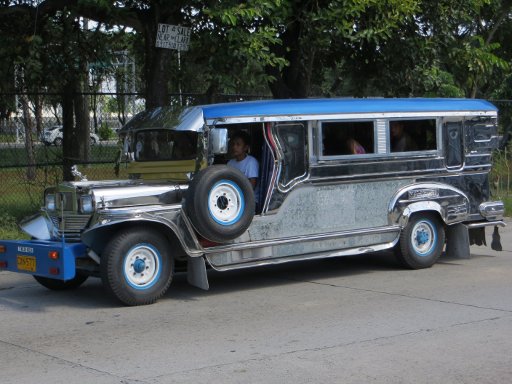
(50, 259)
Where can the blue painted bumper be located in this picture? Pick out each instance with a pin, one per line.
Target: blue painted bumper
(42, 258)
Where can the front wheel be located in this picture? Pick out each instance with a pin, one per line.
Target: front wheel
(421, 242)
(136, 266)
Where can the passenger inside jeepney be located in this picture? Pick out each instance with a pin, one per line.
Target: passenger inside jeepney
(354, 147)
(239, 147)
(400, 139)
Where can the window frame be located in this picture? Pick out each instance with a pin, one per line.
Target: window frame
(438, 131)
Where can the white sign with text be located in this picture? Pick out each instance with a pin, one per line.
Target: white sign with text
(173, 37)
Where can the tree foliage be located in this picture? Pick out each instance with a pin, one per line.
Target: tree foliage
(283, 48)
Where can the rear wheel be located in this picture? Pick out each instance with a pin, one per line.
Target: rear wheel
(136, 266)
(61, 285)
(421, 242)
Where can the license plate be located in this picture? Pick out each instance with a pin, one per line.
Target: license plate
(26, 263)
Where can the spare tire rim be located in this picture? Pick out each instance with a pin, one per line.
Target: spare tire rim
(226, 202)
(142, 266)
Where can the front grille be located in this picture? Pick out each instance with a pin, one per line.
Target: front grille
(71, 225)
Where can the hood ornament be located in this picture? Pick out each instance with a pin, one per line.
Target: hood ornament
(75, 172)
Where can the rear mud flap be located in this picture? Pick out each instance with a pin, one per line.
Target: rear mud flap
(457, 241)
(196, 274)
(496, 240)
(477, 236)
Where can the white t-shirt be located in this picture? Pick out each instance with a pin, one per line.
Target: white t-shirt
(248, 166)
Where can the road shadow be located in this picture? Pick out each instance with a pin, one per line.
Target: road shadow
(29, 296)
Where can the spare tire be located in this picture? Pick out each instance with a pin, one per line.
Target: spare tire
(220, 203)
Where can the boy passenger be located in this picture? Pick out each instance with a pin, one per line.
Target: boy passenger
(242, 161)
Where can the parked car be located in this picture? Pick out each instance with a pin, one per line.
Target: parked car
(54, 135)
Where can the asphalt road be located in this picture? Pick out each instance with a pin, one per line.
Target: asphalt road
(346, 320)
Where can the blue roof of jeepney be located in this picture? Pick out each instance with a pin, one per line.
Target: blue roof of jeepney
(342, 105)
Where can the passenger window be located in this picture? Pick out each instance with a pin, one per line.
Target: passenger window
(412, 135)
(292, 142)
(342, 138)
(454, 150)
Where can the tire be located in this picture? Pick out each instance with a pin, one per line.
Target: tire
(57, 142)
(61, 285)
(220, 203)
(421, 242)
(136, 266)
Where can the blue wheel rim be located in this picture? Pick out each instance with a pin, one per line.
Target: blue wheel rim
(424, 238)
(142, 266)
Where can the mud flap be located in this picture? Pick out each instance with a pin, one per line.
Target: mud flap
(477, 236)
(196, 274)
(457, 241)
(496, 240)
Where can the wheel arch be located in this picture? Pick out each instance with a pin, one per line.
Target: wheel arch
(451, 204)
(97, 237)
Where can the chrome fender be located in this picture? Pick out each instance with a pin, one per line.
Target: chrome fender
(450, 203)
(173, 223)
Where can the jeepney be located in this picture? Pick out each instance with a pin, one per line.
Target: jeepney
(336, 177)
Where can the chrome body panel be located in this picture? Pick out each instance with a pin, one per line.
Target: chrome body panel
(189, 119)
(37, 227)
(168, 217)
(138, 195)
(239, 259)
(451, 203)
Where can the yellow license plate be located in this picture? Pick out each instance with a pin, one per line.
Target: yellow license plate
(26, 263)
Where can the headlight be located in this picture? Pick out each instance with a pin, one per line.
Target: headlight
(49, 202)
(86, 204)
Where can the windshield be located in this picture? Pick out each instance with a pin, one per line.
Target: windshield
(162, 144)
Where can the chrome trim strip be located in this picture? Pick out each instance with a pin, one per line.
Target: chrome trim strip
(486, 224)
(309, 256)
(338, 116)
(304, 238)
(382, 137)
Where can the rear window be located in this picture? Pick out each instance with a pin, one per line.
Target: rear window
(412, 135)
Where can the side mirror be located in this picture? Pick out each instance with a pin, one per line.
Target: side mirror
(219, 141)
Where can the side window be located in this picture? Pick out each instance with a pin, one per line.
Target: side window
(291, 139)
(412, 135)
(454, 153)
(342, 138)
